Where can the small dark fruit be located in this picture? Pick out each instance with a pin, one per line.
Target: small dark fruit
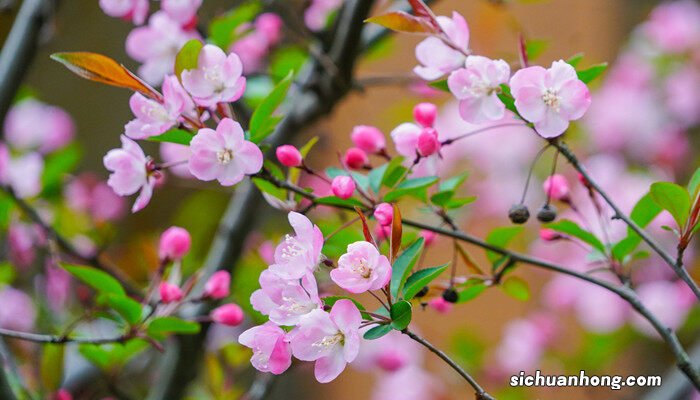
(519, 214)
(547, 213)
(450, 296)
(422, 292)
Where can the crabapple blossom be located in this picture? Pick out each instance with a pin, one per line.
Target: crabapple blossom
(331, 339)
(182, 11)
(477, 86)
(128, 10)
(550, 98)
(174, 243)
(343, 186)
(384, 214)
(362, 268)
(674, 26)
(285, 301)
(228, 314)
(23, 173)
(169, 293)
(299, 254)
(217, 79)
(317, 14)
(131, 171)
(255, 46)
(154, 117)
(21, 240)
(224, 154)
(368, 138)
(428, 143)
(217, 287)
(176, 156)
(556, 187)
(269, 25)
(270, 345)
(57, 283)
(18, 312)
(440, 305)
(410, 383)
(425, 114)
(667, 300)
(156, 45)
(355, 158)
(88, 194)
(392, 352)
(31, 124)
(437, 58)
(405, 137)
(524, 342)
(289, 156)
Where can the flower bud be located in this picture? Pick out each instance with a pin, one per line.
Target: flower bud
(217, 287)
(384, 214)
(440, 305)
(428, 236)
(270, 26)
(549, 235)
(63, 394)
(382, 232)
(174, 243)
(556, 187)
(228, 314)
(169, 293)
(343, 187)
(368, 138)
(519, 214)
(450, 295)
(356, 158)
(428, 143)
(425, 114)
(288, 156)
(547, 213)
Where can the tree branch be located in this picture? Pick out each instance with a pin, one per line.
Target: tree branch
(56, 339)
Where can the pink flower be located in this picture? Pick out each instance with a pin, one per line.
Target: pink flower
(130, 172)
(128, 10)
(217, 79)
(355, 158)
(228, 314)
(436, 57)
(224, 154)
(217, 287)
(285, 301)
(269, 25)
(174, 243)
(549, 235)
(428, 143)
(86, 193)
(32, 124)
(675, 26)
(182, 11)
(270, 345)
(405, 138)
(331, 339)
(156, 45)
(21, 242)
(523, 344)
(177, 155)
(664, 299)
(425, 114)
(169, 293)
(384, 214)
(362, 268)
(556, 187)
(343, 186)
(410, 383)
(683, 99)
(23, 173)
(58, 287)
(550, 98)
(153, 117)
(440, 305)
(289, 156)
(300, 254)
(390, 353)
(18, 312)
(317, 14)
(368, 138)
(252, 50)
(477, 87)
(428, 236)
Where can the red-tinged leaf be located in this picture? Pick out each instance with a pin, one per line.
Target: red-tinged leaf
(365, 227)
(522, 50)
(423, 11)
(99, 68)
(472, 266)
(396, 233)
(403, 22)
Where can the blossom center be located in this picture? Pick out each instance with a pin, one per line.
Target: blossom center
(214, 76)
(293, 306)
(551, 98)
(292, 249)
(362, 269)
(225, 156)
(330, 341)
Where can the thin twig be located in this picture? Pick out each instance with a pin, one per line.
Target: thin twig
(60, 339)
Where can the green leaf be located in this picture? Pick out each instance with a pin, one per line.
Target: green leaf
(222, 30)
(175, 135)
(507, 98)
(394, 172)
(590, 73)
(417, 183)
(575, 59)
(419, 279)
(101, 281)
(535, 47)
(337, 201)
(57, 165)
(290, 58)
(571, 228)
(376, 175)
(442, 198)
(377, 332)
(127, 307)
(457, 203)
(160, 327)
(473, 290)
(52, 366)
(96, 355)
(269, 188)
(672, 198)
(642, 214)
(500, 237)
(401, 313)
(412, 187)
(187, 57)
(516, 288)
(403, 265)
(295, 173)
(453, 183)
(440, 85)
(261, 123)
(694, 184)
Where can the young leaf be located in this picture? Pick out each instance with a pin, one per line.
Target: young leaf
(99, 68)
(52, 366)
(396, 232)
(403, 265)
(162, 326)
(440, 85)
(401, 21)
(472, 291)
(422, 10)
(188, 56)
(175, 135)
(420, 279)
(590, 73)
(516, 288)
(500, 237)
(295, 173)
(507, 98)
(377, 332)
(575, 59)
(127, 307)
(535, 47)
(222, 29)
(415, 187)
(98, 280)
(694, 184)
(269, 188)
(401, 313)
(571, 228)
(375, 177)
(642, 214)
(57, 165)
(672, 198)
(261, 125)
(365, 228)
(453, 183)
(336, 201)
(96, 355)
(468, 261)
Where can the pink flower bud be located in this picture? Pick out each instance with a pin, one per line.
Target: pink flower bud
(556, 187)
(356, 158)
(384, 214)
(440, 305)
(169, 293)
(428, 236)
(428, 143)
(382, 232)
(391, 361)
(228, 314)
(549, 234)
(425, 114)
(174, 243)
(368, 138)
(270, 26)
(343, 186)
(217, 287)
(63, 394)
(288, 155)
